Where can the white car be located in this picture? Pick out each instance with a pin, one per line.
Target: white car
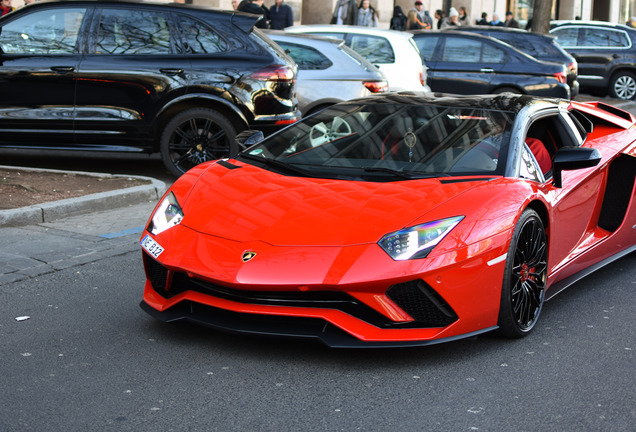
(393, 52)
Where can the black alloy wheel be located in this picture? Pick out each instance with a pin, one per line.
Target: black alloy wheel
(194, 136)
(523, 290)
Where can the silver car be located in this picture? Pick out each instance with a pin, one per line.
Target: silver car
(328, 71)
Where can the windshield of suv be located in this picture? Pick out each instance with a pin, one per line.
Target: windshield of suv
(389, 142)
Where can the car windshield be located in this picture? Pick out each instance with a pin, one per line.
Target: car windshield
(389, 142)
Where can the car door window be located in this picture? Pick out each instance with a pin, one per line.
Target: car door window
(43, 32)
(459, 50)
(133, 32)
(374, 48)
(567, 37)
(306, 58)
(200, 38)
(603, 38)
(492, 54)
(426, 45)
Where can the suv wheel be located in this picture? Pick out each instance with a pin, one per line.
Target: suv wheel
(623, 85)
(194, 136)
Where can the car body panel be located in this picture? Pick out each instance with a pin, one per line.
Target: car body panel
(265, 251)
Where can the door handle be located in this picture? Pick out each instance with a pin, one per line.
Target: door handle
(168, 71)
(62, 68)
(487, 70)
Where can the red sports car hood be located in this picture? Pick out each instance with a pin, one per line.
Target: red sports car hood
(249, 204)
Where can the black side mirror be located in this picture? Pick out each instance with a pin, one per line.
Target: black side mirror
(248, 138)
(573, 158)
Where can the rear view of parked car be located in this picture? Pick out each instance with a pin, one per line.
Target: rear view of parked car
(468, 63)
(605, 52)
(540, 46)
(393, 52)
(139, 77)
(328, 71)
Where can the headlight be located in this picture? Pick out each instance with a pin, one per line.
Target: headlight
(417, 241)
(168, 214)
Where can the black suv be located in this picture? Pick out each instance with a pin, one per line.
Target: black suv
(142, 77)
(605, 52)
(540, 46)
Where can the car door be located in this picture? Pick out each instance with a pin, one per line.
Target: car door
(39, 60)
(131, 68)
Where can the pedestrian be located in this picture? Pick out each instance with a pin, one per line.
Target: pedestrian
(496, 21)
(251, 6)
(510, 21)
(419, 10)
(345, 13)
(5, 7)
(427, 21)
(463, 16)
(632, 22)
(235, 4)
(280, 15)
(412, 23)
(452, 20)
(398, 21)
(484, 19)
(367, 16)
(439, 16)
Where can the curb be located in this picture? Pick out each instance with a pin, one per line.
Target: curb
(53, 210)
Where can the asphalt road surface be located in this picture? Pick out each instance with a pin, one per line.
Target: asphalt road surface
(88, 359)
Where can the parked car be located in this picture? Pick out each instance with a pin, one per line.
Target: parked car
(469, 63)
(605, 52)
(540, 46)
(131, 76)
(398, 220)
(393, 52)
(328, 71)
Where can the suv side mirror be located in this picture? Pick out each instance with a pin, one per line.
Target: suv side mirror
(573, 158)
(248, 138)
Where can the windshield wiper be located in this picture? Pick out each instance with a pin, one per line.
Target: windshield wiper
(408, 175)
(282, 166)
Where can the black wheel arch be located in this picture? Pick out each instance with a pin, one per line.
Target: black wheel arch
(238, 118)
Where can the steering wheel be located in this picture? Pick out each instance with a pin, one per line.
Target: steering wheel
(320, 133)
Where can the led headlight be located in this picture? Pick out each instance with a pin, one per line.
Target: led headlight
(168, 214)
(417, 241)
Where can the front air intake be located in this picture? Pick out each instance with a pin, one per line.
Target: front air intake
(422, 303)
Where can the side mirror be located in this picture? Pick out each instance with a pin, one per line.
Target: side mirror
(248, 138)
(573, 158)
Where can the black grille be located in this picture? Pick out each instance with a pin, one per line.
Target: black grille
(157, 274)
(422, 303)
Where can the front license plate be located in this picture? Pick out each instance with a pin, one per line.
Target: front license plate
(151, 246)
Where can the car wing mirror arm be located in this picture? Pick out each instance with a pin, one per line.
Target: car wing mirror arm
(573, 158)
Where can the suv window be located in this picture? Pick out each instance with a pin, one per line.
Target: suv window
(306, 57)
(200, 38)
(604, 38)
(43, 32)
(375, 49)
(133, 32)
(567, 37)
(426, 45)
(462, 50)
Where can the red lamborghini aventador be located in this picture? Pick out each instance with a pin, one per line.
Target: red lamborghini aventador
(398, 220)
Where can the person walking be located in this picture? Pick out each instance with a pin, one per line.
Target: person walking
(452, 20)
(367, 16)
(483, 20)
(510, 21)
(398, 20)
(280, 15)
(496, 21)
(252, 6)
(5, 7)
(345, 13)
(463, 16)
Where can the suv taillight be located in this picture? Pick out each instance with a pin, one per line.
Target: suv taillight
(561, 77)
(274, 73)
(376, 86)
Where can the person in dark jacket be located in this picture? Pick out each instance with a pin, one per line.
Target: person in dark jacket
(252, 7)
(280, 15)
(510, 21)
(398, 22)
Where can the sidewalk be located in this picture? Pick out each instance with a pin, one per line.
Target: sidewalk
(75, 231)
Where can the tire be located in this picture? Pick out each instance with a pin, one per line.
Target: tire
(523, 289)
(506, 90)
(194, 136)
(623, 85)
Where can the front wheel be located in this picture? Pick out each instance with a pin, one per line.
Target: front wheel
(194, 136)
(623, 86)
(523, 289)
